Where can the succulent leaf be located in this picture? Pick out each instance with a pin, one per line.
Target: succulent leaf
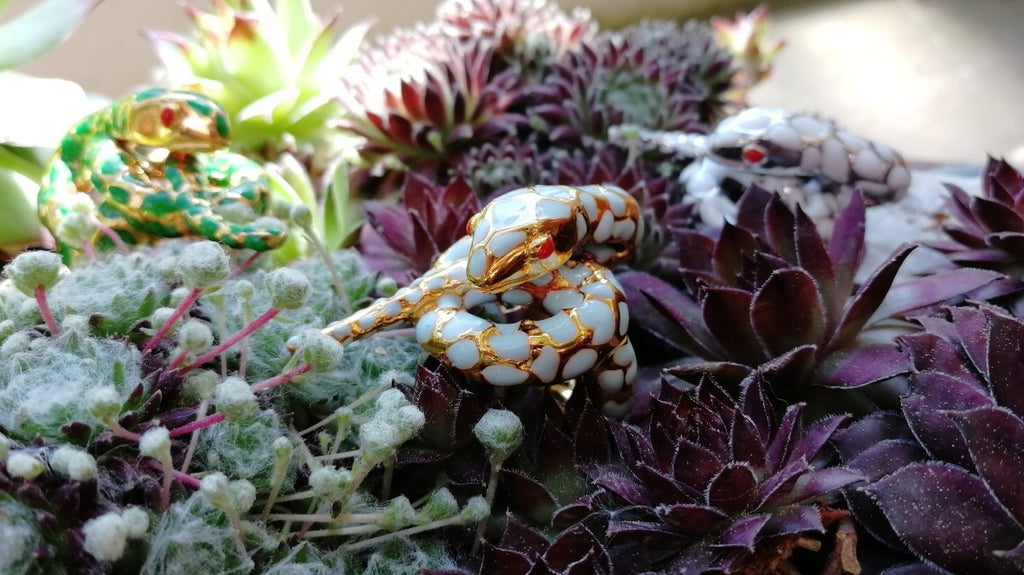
(966, 527)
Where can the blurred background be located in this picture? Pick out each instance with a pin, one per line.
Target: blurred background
(940, 80)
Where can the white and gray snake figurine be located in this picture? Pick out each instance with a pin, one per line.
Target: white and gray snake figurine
(809, 160)
(542, 248)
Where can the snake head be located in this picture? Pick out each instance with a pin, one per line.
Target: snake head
(521, 236)
(761, 141)
(177, 120)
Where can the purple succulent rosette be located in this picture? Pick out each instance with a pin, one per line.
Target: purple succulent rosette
(945, 474)
(402, 240)
(712, 484)
(769, 295)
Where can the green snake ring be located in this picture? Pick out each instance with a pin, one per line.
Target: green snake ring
(154, 165)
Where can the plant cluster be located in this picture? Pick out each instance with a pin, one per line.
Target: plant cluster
(176, 409)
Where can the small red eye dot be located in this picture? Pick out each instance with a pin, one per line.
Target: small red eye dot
(753, 155)
(167, 117)
(469, 228)
(546, 249)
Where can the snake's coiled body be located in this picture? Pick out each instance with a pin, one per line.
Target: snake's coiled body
(153, 166)
(543, 248)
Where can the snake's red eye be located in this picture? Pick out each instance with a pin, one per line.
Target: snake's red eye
(469, 228)
(754, 154)
(546, 249)
(167, 117)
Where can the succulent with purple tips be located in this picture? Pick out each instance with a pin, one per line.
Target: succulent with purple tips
(419, 98)
(611, 82)
(769, 295)
(528, 35)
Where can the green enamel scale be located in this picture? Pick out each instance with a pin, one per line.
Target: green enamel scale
(154, 165)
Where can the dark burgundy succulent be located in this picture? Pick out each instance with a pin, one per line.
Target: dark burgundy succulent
(505, 164)
(945, 475)
(402, 240)
(988, 230)
(610, 82)
(711, 484)
(770, 295)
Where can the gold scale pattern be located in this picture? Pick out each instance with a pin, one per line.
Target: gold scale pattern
(544, 249)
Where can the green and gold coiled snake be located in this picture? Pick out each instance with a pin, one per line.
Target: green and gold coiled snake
(155, 165)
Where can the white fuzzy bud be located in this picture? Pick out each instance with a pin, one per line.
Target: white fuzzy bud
(440, 505)
(244, 290)
(104, 403)
(387, 286)
(329, 482)
(214, 488)
(201, 383)
(136, 522)
(234, 398)
(282, 449)
(302, 216)
(106, 536)
(243, 495)
(160, 316)
(73, 463)
(377, 440)
(390, 400)
(30, 270)
(177, 296)
(24, 465)
(76, 229)
(399, 513)
(228, 496)
(156, 443)
(202, 264)
(476, 510)
(500, 431)
(321, 351)
(195, 335)
(288, 288)
(409, 420)
(393, 376)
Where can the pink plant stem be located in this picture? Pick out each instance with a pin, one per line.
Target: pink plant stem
(279, 379)
(226, 344)
(165, 491)
(178, 360)
(44, 309)
(198, 424)
(114, 237)
(178, 312)
(256, 388)
(90, 251)
(245, 265)
(182, 477)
